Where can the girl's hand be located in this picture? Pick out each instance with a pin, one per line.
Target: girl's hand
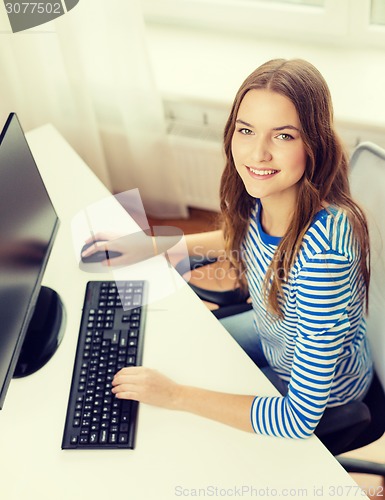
(151, 387)
(146, 386)
(131, 248)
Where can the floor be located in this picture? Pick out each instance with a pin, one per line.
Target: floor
(198, 221)
(374, 486)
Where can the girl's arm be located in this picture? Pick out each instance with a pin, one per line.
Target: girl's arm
(209, 244)
(141, 245)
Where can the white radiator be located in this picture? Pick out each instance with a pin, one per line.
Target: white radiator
(195, 131)
(200, 164)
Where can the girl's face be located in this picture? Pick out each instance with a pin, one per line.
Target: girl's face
(267, 146)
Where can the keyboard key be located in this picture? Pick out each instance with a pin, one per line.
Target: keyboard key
(103, 437)
(123, 438)
(123, 338)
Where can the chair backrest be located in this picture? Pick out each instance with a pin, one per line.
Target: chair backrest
(367, 180)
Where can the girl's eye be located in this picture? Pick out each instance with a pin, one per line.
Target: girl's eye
(285, 137)
(245, 131)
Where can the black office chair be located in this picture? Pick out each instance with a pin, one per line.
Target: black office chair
(229, 302)
(367, 181)
(360, 423)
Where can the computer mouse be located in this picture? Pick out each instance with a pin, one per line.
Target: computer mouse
(98, 256)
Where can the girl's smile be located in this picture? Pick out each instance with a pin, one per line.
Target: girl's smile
(261, 174)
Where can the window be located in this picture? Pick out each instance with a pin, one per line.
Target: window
(367, 22)
(317, 3)
(377, 13)
(357, 22)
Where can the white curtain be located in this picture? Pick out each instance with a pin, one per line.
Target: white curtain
(88, 73)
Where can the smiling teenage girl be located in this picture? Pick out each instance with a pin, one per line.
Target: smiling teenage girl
(293, 233)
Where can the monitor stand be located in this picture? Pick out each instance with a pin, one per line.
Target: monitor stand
(44, 334)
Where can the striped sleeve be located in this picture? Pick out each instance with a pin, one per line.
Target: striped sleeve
(323, 297)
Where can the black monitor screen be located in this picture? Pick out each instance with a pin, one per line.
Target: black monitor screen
(28, 223)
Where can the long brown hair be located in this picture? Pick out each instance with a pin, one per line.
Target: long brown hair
(325, 178)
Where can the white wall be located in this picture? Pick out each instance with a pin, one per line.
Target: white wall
(206, 68)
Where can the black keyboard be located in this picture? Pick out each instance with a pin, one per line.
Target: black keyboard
(110, 338)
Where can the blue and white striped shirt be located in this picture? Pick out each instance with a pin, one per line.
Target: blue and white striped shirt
(319, 347)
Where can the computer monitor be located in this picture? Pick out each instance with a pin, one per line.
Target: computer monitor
(31, 316)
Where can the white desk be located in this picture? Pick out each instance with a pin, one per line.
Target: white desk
(177, 454)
